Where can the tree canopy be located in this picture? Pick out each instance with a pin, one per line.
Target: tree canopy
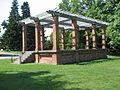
(25, 10)
(11, 39)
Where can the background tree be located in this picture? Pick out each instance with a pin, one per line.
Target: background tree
(114, 29)
(4, 24)
(11, 39)
(25, 10)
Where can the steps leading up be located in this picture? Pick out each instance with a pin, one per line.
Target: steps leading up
(23, 57)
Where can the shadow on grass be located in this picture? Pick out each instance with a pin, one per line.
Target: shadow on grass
(99, 61)
(43, 80)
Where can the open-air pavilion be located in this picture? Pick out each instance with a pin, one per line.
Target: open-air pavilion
(59, 21)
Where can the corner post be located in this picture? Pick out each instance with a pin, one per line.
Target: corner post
(37, 39)
(24, 37)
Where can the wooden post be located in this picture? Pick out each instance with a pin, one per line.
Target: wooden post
(63, 38)
(37, 34)
(94, 36)
(87, 38)
(42, 37)
(24, 38)
(55, 33)
(37, 39)
(74, 34)
(104, 37)
(78, 41)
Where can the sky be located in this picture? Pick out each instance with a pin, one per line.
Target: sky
(36, 7)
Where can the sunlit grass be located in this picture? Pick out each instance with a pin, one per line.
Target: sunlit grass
(102, 74)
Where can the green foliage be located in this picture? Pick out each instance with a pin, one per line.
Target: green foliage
(4, 24)
(74, 6)
(25, 10)
(48, 45)
(114, 34)
(68, 39)
(11, 39)
(114, 29)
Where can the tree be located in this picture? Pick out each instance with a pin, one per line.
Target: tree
(4, 24)
(74, 6)
(25, 10)
(11, 39)
(114, 29)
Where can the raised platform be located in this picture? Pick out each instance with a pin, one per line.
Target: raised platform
(68, 56)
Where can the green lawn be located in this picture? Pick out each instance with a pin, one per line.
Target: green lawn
(11, 52)
(95, 75)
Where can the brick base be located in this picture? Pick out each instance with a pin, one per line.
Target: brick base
(70, 56)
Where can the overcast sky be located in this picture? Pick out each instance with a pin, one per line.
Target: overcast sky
(36, 7)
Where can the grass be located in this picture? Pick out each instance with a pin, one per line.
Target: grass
(103, 74)
(11, 52)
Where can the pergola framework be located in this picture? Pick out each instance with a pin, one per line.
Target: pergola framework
(58, 19)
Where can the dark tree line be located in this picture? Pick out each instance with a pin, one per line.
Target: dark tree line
(11, 39)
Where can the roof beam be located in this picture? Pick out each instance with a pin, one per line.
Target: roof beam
(78, 18)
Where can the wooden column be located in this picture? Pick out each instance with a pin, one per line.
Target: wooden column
(55, 33)
(37, 34)
(87, 38)
(94, 36)
(63, 38)
(24, 38)
(42, 37)
(78, 41)
(74, 34)
(104, 37)
(37, 39)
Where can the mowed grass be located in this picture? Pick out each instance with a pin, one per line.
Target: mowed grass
(102, 74)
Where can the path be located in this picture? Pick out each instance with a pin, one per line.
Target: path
(4, 55)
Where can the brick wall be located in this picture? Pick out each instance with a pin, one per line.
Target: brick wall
(71, 56)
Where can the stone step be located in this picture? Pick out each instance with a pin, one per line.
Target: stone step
(22, 58)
